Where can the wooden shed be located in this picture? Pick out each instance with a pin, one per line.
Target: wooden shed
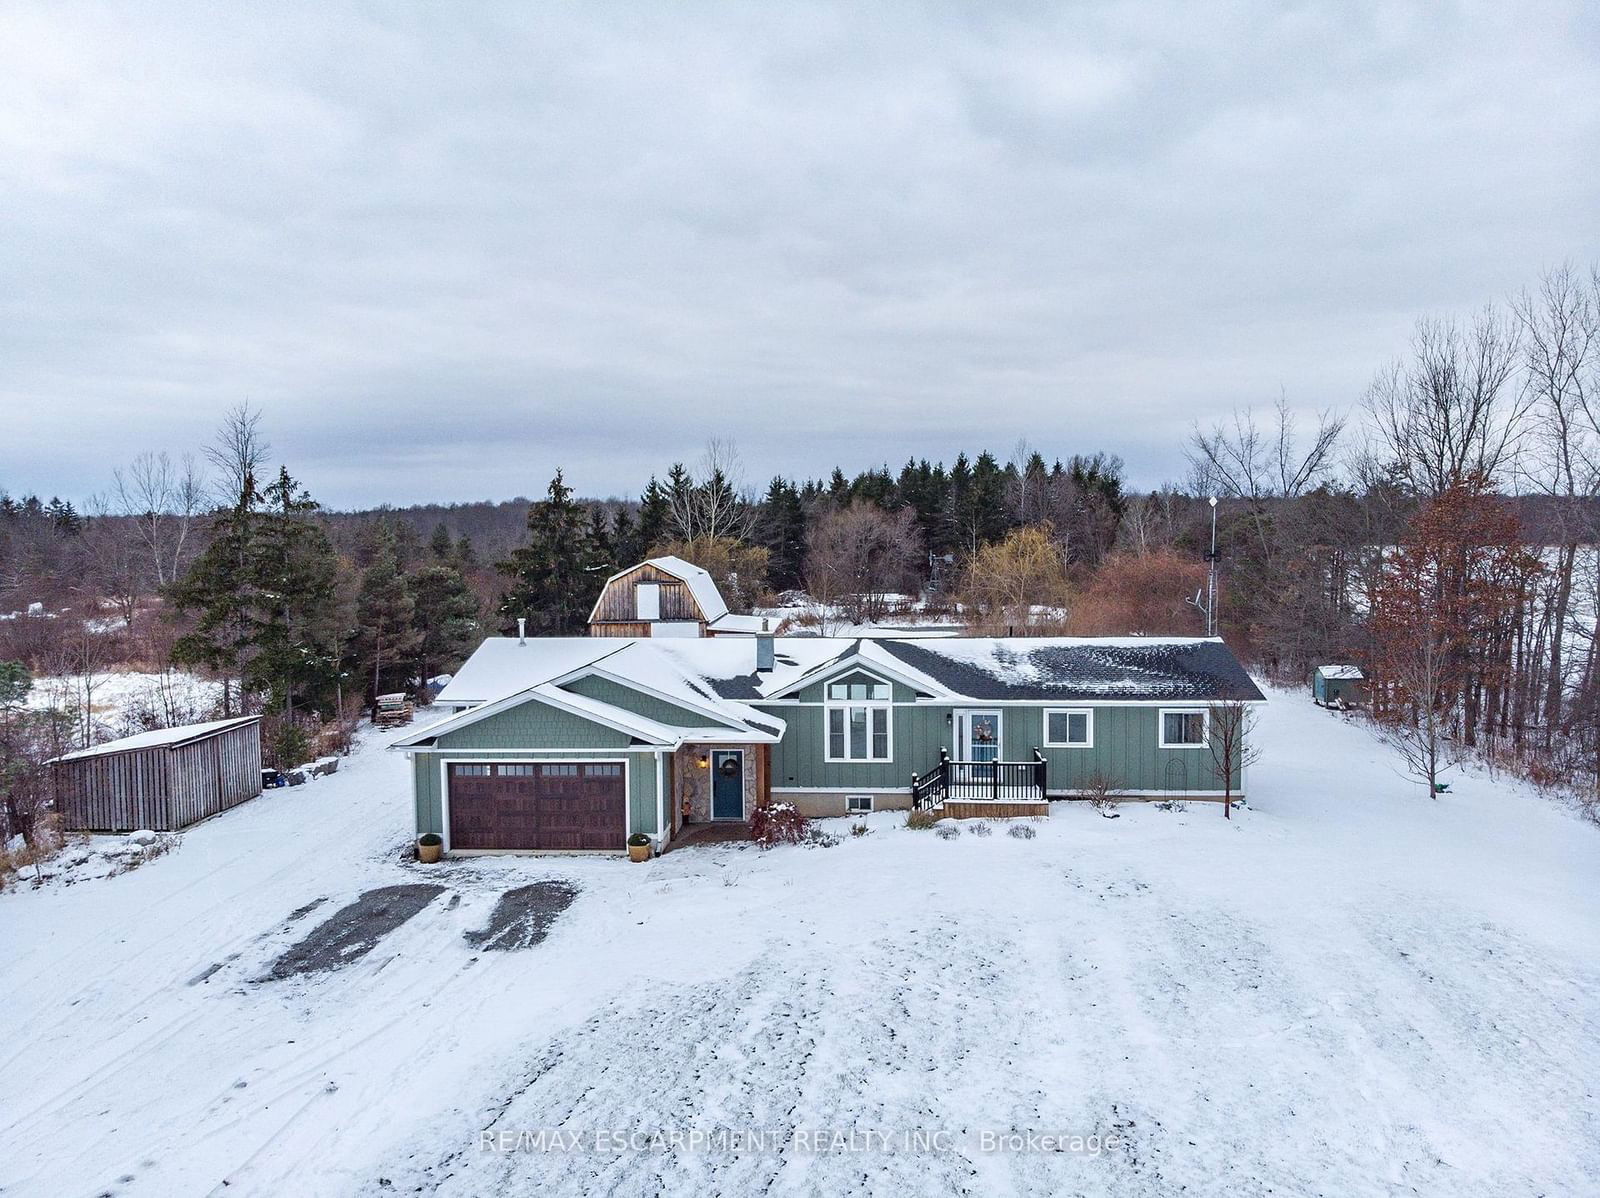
(162, 780)
(1341, 685)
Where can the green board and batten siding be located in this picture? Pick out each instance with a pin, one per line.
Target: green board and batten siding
(523, 731)
(1126, 749)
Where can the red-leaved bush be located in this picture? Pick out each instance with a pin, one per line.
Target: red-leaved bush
(778, 823)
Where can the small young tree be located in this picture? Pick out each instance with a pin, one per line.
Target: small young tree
(1232, 724)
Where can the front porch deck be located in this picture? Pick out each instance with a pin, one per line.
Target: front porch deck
(982, 789)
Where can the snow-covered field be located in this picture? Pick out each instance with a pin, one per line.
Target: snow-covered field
(1349, 989)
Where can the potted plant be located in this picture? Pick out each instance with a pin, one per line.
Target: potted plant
(638, 847)
(429, 846)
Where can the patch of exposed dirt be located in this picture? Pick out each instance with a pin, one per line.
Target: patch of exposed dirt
(354, 930)
(523, 917)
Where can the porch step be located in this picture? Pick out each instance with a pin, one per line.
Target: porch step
(992, 809)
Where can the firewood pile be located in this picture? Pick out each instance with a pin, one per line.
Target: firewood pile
(392, 710)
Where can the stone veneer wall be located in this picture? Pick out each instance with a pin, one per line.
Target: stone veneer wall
(695, 783)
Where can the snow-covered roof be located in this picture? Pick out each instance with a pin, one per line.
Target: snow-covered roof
(719, 673)
(504, 664)
(700, 584)
(1345, 671)
(1149, 669)
(158, 738)
(728, 622)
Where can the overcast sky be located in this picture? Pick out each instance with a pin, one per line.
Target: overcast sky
(447, 252)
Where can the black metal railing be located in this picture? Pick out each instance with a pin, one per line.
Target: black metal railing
(991, 781)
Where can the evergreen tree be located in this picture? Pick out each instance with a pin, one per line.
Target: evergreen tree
(296, 636)
(441, 545)
(655, 518)
(625, 548)
(551, 585)
(445, 618)
(219, 590)
(386, 633)
(603, 549)
(781, 530)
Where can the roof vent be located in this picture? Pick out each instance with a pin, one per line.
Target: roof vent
(522, 630)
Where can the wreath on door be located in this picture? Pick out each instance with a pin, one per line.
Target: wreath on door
(729, 767)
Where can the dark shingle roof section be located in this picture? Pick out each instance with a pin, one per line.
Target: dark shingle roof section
(1180, 671)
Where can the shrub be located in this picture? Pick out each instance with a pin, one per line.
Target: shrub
(981, 829)
(948, 831)
(921, 821)
(284, 743)
(778, 823)
(1097, 789)
(816, 838)
(1020, 832)
(860, 829)
(432, 838)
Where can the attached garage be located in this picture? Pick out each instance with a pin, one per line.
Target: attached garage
(500, 805)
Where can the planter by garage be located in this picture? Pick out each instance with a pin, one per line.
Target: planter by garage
(429, 846)
(638, 847)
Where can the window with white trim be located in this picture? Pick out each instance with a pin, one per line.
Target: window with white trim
(858, 804)
(857, 720)
(1184, 729)
(1069, 728)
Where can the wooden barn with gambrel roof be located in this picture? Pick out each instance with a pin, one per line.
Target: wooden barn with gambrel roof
(667, 596)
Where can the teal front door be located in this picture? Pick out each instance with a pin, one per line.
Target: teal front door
(727, 784)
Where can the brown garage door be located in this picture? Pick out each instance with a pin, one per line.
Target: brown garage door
(529, 806)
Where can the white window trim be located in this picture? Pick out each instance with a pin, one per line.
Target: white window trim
(1088, 712)
(884, 705)
(849, 810)
(1161, 727)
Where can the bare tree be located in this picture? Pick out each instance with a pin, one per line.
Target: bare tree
(856, 556)
(162, 499)
(1231, 730)
(1151, 523)
(1455, 408)
(1561, 341)
(714, 503)
(1241, 460)
(1418, 732)
(238, 453)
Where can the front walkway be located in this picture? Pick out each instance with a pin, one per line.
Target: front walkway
(722, 832)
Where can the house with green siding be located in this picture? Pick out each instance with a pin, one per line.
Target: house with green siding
(577, 743)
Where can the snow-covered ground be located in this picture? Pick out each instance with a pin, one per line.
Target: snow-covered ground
(1349, 989)
(117, 702)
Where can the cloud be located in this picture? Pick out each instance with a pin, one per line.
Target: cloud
(449, 250)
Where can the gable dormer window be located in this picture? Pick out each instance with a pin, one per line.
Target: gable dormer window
(858, 720)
